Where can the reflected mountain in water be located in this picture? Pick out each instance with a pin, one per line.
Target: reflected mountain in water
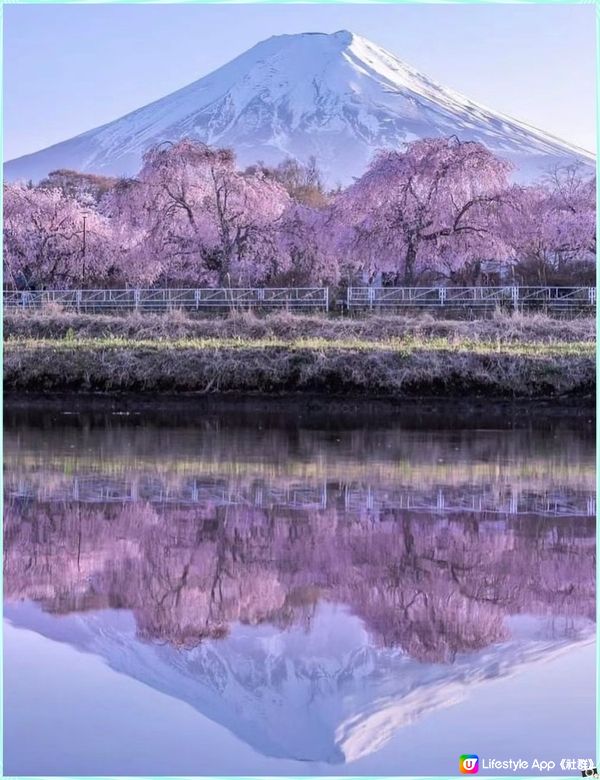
(433, 586)
(321, 692)
(313, 637)
(278, 580)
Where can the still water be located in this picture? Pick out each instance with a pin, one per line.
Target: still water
(253, 593)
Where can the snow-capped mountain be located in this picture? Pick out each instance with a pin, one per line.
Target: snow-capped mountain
(338, 97)
(325, 693)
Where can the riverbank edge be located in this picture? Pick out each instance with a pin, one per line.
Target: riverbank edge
(287, 371)
(310, 409)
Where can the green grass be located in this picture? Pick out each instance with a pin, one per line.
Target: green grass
(399, 345)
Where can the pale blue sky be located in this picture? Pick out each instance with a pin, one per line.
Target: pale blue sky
(69, 68)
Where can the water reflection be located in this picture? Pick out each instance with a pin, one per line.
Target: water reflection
(312, 590)
(433, 586)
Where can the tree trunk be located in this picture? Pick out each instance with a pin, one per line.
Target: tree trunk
(409, 265)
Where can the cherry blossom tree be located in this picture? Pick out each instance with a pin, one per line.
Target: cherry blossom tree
(305, 236)
(551, 227)
(429, 208)
(206, 222)
(191, 217)
(46, 243)
(139, 256)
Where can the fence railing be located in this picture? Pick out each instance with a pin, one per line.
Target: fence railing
(471, 297)
(303, 298)
(156, 300)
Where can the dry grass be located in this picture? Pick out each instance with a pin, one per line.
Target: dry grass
(278, 369)
(393, 356)
(176, 325)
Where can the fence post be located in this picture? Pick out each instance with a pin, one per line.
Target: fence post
(515, 297)
(442, 292)
(326, 298)
(136, 299)
(592, 296)
(78, 300)
(371, 297)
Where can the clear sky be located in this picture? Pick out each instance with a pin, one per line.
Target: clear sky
(69, 68)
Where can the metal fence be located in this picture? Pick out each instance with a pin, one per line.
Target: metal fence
(305, 298)
(513, 297)
(157, 300)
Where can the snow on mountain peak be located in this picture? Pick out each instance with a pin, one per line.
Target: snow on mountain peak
(336, 96)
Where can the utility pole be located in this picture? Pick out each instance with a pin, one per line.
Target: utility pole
(84, 215)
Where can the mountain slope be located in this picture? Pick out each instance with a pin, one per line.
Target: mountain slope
(338, 97)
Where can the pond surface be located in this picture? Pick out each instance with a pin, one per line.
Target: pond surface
(254, 593)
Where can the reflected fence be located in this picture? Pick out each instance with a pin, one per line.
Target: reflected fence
(357, 498)
(306, 299)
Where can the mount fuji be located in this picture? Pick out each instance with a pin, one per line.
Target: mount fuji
(336, 96)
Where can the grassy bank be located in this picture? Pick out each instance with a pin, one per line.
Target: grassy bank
(176, 325)
(504, 357)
